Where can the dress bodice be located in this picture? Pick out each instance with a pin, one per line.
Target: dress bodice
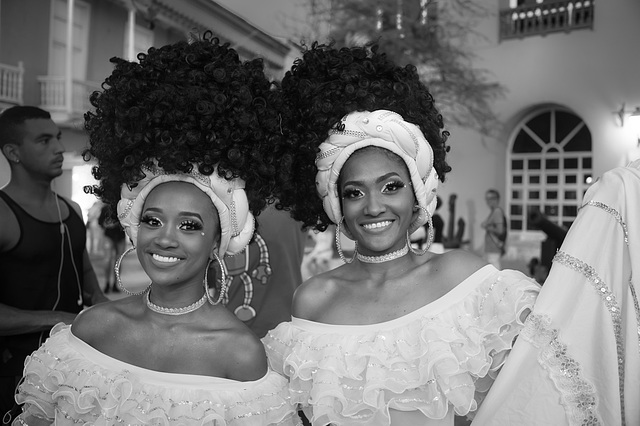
(67, 378)
(440, 357)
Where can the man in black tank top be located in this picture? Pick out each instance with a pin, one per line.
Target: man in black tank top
(45, 273)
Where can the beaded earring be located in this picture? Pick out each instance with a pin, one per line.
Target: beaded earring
(119, 281)
(339, 246)
(430, 235)
(223, 281)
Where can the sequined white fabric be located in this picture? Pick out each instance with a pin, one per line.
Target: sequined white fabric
(440, 358)
(71, 382)
(578, 360)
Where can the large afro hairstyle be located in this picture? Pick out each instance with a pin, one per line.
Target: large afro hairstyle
(326, 84)
(183, 104)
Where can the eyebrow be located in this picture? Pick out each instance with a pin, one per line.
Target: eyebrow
(378, 180)
(182, 213)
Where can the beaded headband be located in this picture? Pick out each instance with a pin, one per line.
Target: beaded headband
(384, 129)
(228, 197)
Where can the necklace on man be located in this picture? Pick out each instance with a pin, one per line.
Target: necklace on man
(174, 311)
(385, 257)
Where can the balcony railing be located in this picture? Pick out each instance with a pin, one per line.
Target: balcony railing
(11, 84)
(545, 18)
(53, 95)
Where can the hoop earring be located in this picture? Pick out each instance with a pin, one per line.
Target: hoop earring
(119, 281)
(339, 246)
(430, 236)
(223, 281)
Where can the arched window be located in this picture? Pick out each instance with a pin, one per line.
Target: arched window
(549, 167)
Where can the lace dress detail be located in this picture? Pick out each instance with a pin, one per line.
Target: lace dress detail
(577, 393)
(444, 355)
(73, 383)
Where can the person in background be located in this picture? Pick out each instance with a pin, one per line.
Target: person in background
(495, 227)
(182, 141)
(95, 233)
(438, 230)
(46, 276)
(115, 244)
(394, 336)
(577, 361)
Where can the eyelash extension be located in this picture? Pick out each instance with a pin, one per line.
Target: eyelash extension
(148, 219)
(348, 193)
(194, 226)
(395, 185)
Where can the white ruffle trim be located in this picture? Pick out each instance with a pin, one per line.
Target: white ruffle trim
(435, 358)
(60, 383)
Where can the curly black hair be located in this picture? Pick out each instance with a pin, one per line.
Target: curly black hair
(185, 103)
(326, 84)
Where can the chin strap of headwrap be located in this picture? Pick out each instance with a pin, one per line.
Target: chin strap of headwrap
(384, 129)
(228, 197)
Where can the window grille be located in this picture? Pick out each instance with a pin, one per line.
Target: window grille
(549, 168)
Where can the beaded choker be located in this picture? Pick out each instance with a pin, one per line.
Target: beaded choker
(385, 257)
(174, 311)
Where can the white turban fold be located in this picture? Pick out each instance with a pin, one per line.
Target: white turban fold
(384, 129)
(228, 197)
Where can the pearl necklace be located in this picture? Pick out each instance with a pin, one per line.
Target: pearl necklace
(174, 311)
(385, 257)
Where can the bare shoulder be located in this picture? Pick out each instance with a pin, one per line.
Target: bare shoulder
(247, 360)
(93, 324)
(312, 295)
(455, 266)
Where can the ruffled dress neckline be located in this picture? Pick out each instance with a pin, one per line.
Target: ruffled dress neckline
(439, 359)
(159, 378)
(456, 294)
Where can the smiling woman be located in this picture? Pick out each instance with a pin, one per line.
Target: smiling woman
(185, 142)
(394, 336)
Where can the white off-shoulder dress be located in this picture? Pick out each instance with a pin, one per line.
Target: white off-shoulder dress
(68, 382)
(418, 369)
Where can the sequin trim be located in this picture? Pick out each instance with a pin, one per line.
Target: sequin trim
(618, 217)
(327, 153)
(609, 300)
(613, 212)
(577, 394)
(353, 133)
(126, 210)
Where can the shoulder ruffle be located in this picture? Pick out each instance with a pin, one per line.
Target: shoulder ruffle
(426, 363)
(60, 382)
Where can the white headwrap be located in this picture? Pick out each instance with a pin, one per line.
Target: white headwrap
(384, 129)
(228, 197)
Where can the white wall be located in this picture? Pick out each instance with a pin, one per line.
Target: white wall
(591, 72)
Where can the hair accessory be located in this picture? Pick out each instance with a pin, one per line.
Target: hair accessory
(430, 236)
(228, 197)
(119, 281)
(385, 257)
(339, 246)
(175, 311)
(223, 281)
(384, 129)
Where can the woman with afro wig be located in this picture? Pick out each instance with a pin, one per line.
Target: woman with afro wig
(185, 143)
(394, 336)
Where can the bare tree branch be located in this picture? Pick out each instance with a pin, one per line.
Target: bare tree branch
(431, 35)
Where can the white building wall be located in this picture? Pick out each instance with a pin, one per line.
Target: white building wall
(591, 72)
